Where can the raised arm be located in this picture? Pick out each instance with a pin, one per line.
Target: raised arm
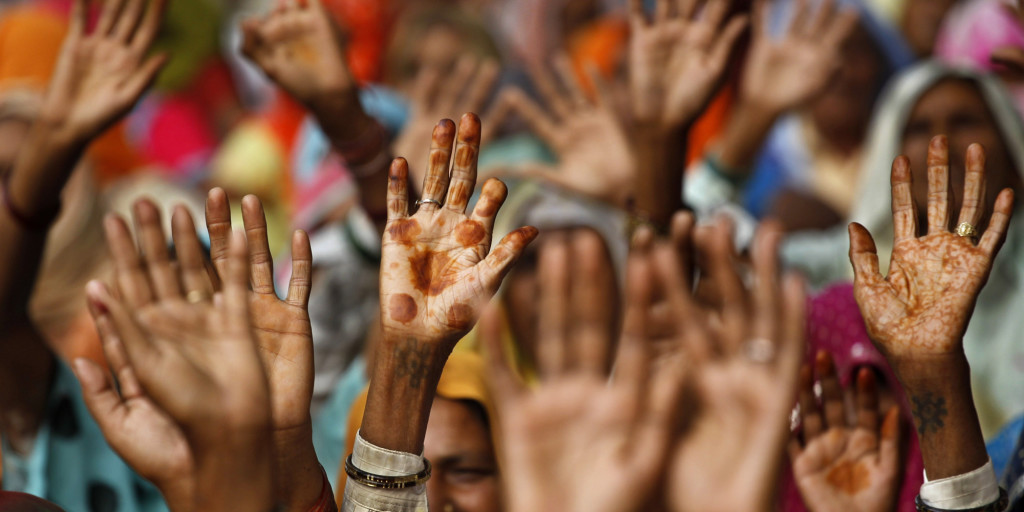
(299, 47)
(918, 314)
(99, 76)
(782, 74)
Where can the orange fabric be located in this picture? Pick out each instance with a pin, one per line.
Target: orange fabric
(601, 44)
(710, 124)
(42, 30)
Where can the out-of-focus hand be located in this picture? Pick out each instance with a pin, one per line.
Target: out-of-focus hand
(845, 465)
(194, 355)
(677, 59)
(101, 74)
(922, 307)
(438, 94)
(745, 353)
(577, 442)
(298, 46)
(785, 73)
(594, 154)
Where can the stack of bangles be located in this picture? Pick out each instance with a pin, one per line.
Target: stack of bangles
(387, 482)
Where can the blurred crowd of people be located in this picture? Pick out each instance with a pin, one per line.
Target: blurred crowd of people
(532, 255)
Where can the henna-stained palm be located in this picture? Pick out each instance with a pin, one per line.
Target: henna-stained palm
(577, 442)
(101, 74)
(594, 154)
(845, 465)
(924, 303)
(677, 59)
(437, 265)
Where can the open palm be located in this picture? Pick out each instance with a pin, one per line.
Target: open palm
(923, 305)
(436, 272)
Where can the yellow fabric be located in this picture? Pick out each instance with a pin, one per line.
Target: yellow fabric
(835, 176)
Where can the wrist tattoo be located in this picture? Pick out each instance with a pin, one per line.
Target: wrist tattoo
(929, 412)
(413, 361)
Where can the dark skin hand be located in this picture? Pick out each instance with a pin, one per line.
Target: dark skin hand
(437, 271)
(918, 314)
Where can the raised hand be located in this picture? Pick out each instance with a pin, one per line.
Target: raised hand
(440, 95)
(577, 442)
(922, 307)
(284, 337)
(101, 74)
(437, 272)
(677, 60)
(594, 154)
(298, 46)
(745, 352)
(194, 355)
(785, 73)
(845, 465)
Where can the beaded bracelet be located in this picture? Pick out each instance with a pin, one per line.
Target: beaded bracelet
(387, 482)
(996, 506)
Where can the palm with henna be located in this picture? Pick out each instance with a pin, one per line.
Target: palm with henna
(917, 315)
(845, 465)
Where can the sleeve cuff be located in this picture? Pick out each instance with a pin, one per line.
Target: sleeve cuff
(381, 461)
(967, 491)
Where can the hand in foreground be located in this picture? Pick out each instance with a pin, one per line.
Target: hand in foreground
(918, 314)
(195, 358)
(440, 95)
(594, 154)
(745, 353)
(922, 307)
(786, 73)
(845, 465)
(284, 337)
(677, 59)
(101, 74)
(577, 442)
(437, 272)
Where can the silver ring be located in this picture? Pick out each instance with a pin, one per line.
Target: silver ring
(195, 297)
(759, 350)
(428, 201)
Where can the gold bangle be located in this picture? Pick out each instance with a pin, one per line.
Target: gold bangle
(387, 482)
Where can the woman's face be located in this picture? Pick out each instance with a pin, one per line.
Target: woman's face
(465, 470)
(956, 109)
(844, 108)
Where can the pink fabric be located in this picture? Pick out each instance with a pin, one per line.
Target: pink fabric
(974, 31)
(834, 323)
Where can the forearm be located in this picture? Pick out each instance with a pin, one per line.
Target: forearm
(939, 394)
(298, 481)
(402, 387)
(744, 134)
(42, 169)
(661, 160)
(363, 145)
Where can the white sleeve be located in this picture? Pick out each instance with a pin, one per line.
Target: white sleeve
(967, 491)
(381, 461)
(710, 194)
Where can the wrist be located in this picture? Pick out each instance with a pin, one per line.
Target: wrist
(296, 468)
